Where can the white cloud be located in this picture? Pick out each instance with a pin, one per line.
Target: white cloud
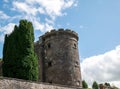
(6, 30)
(24, 7)
(38, 25)
(1, 38)
(52, 8)
(102, 68)
(41, 10)
(6, 1)
(48, 27)
(3, 15)
(49, 21)
(42, 26)
(68, 4)
(42, 13)
(32, 9)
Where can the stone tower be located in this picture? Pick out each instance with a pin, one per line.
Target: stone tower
(59, 58)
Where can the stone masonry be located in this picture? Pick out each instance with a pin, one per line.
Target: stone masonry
(7, 83)
(59, 58)
(59, 63)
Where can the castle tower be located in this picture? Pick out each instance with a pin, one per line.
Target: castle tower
(60, 58)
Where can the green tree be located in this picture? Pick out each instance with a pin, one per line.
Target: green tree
(19, 59)
(107, 84)
(95, 85)
(0, 66)
(84, 84)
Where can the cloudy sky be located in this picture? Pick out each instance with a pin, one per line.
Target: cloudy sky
(96, 21)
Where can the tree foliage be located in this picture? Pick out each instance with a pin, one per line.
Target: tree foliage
(84, 84)
(107, 84)
(19, 58)
(95, 85)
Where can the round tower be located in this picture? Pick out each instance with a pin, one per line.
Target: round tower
(61, 58)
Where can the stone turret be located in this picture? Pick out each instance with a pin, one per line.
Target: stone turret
(59, 58)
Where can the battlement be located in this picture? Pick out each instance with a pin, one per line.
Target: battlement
(61, 31)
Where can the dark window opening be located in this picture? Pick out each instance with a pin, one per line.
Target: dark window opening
(49, 63)
(75, 45)
(76, 64)
(49, 46)
(50, 81)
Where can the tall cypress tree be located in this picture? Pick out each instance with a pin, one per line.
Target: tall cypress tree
(19, 59)
(84, 84)
(95, 85)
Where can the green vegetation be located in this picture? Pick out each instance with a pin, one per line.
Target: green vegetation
(95, 85)
(84, 84)
(107, 84)
(0, 67)
(19, 58)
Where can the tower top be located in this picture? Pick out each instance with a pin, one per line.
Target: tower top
(58, 54)
(60, 31)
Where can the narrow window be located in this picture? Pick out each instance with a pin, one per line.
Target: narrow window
(49, 46)
(74, 46)
(49, 63)
(76, 64)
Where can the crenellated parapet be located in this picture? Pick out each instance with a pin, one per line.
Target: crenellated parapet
(61, 31)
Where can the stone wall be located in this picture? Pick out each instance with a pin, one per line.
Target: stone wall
(38, 49)
(10, 83)
(58, 56)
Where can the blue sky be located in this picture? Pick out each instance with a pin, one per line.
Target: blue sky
(96, 22)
